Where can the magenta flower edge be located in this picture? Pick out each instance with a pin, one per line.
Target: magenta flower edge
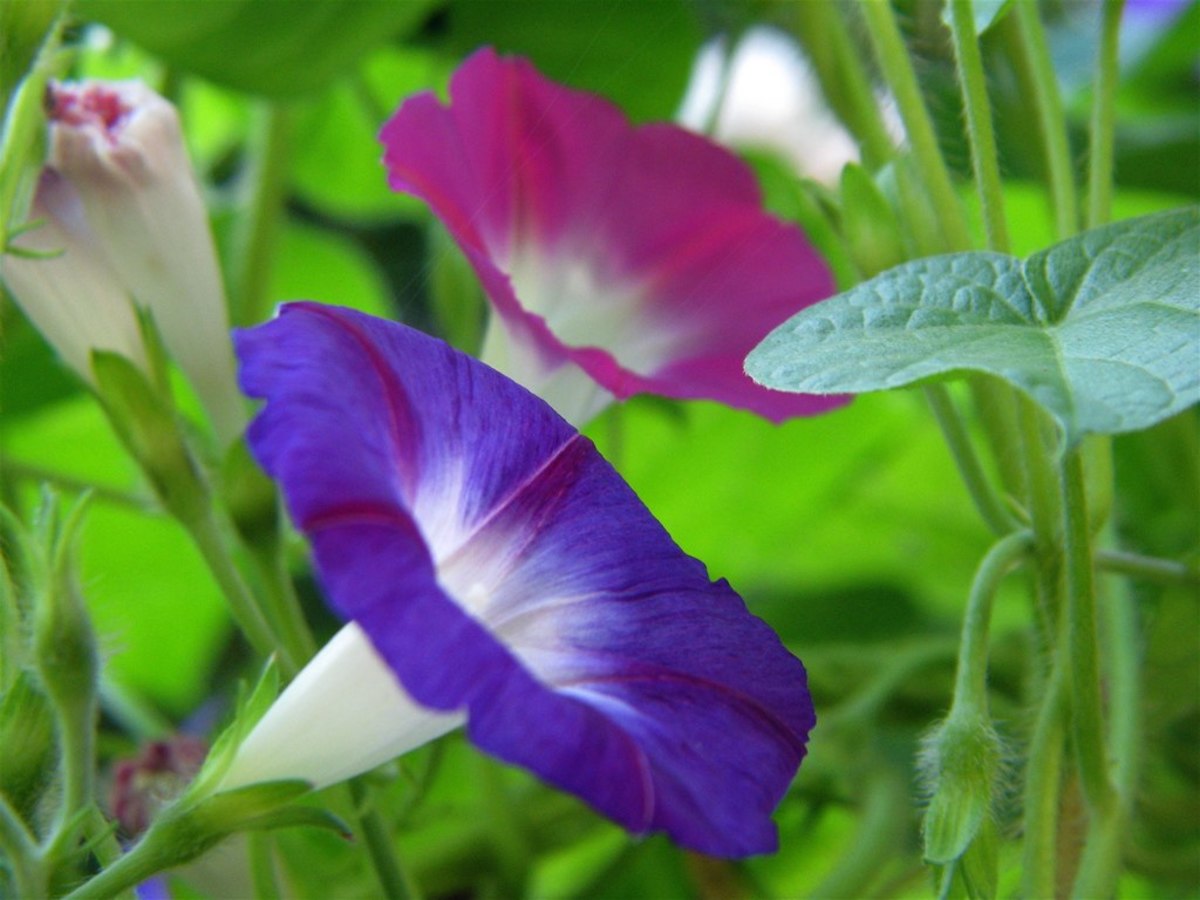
(641, 255)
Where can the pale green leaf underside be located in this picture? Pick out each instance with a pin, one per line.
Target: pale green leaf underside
(1102, 330)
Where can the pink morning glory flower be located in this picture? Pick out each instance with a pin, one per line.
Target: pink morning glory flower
(618, 259)
(493, 568)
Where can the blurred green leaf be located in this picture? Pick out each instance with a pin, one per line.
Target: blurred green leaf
(604, 46)
(1057, 326)
(22, 27)
(320, 264)
(866, 496)
(30, 375)
(337, 163)
(268, 47)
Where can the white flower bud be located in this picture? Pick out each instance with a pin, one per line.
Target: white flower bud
(121, 146)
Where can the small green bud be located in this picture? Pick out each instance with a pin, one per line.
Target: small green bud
(64, 644)
(961, 760)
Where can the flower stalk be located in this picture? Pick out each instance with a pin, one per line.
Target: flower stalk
(898, 70)
(1033, 57)
(984, 158)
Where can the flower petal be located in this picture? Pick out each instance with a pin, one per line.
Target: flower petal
(501, 567)
(641, 255)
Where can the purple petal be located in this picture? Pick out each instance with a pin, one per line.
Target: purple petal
(641, 255)
(501, 566)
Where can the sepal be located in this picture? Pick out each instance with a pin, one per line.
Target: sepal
(251, 707)
(144, 419)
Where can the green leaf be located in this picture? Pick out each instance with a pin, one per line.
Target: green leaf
(262, 46)
(1102, 330)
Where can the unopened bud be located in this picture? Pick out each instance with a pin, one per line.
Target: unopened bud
(64, 643)
(961, 760)
(140, 213)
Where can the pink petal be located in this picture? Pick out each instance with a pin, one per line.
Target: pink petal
(641, 255)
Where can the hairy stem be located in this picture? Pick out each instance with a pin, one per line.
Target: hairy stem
(1100, 150)
(1087, 713)
(843, 77)
(898, 70)
(1033, 55)
(984, 157)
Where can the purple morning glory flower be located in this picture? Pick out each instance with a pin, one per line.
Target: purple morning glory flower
(618, 260)
(503, 573)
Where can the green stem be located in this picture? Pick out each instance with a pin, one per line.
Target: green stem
(262, 866)
(843, 77)
(268, 191)
(1103, 124)
(1100, 864)
(157, 851)
(897, 69)
(970, 686)
(207, 537)
(1148, 568)
(969, 467)
(1043, 784)
(1086, 704)
(19, 850)
(1045, 513)
(283, 606)
(996, 406)
(76, 738)
(984, 158)
(1033, 55)
(394, 882)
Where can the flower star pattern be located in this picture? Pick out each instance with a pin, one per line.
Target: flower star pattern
(639, 256)
(505, 573)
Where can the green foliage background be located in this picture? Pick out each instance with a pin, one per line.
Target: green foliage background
(851, 533)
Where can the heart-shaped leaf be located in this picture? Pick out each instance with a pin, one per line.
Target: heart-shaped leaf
(1102, 330)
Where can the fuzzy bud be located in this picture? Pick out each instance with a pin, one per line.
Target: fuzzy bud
(961, 760)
